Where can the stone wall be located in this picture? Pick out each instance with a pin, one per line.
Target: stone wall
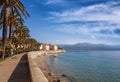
(35, 72)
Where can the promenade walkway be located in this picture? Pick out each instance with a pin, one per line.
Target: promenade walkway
(15, 69)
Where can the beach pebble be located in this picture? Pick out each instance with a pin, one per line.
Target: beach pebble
(58, 80)
(63, 75)
(51, 74)
(55, 56)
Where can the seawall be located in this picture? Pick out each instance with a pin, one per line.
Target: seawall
(35, 72)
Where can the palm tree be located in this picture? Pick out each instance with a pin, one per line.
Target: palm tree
(8, 6)
(21, 33)
(33, 43)
(1, 21)
(14, 19)
(15, 42)
(24, 35)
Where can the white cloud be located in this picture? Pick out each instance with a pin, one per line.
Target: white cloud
(92, 32)
(53, 1)
(93, 37)
(31, 5)
(89, 34)
(104, 14)
(99, 12)
(105, 18)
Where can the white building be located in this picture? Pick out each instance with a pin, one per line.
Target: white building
(55, 47)
(47, 47)
(41, 47)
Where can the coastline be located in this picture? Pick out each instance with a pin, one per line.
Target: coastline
(43, 65)
(41, 62)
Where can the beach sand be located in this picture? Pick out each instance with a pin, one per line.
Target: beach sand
(52, 77)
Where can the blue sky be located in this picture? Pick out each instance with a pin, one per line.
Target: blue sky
(74, 21)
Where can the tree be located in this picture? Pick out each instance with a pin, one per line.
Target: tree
(14, 19)
(21, 33)
(8, 6)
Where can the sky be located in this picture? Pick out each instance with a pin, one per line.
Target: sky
(74, 21)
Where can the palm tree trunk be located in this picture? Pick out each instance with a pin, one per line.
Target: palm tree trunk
(10, 31)
(10, 28)
(10, 34)
(4, 34)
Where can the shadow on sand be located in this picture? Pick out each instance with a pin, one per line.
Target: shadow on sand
(21, 72)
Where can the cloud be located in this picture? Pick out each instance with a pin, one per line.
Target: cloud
(54, 1)
(93, 37)
(99, 12)
(98, 23)
(98, 30)
(57, 41)
(31, 5)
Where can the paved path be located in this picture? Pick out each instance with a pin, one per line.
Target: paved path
(15, 69)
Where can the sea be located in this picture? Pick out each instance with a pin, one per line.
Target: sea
(87, 66)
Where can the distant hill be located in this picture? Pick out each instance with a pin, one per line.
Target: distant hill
(89, 46)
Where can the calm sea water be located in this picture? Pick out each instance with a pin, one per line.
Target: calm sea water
(88, 66)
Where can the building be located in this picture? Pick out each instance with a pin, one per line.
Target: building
(41, 46)
(47, 47)
(55, 47)
(51, 47)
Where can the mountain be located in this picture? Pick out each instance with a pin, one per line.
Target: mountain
(89, 46)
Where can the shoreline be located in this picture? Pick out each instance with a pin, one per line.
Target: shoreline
(41, 62)
(43, 65)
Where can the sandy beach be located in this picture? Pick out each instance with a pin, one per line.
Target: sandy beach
(42, 63)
